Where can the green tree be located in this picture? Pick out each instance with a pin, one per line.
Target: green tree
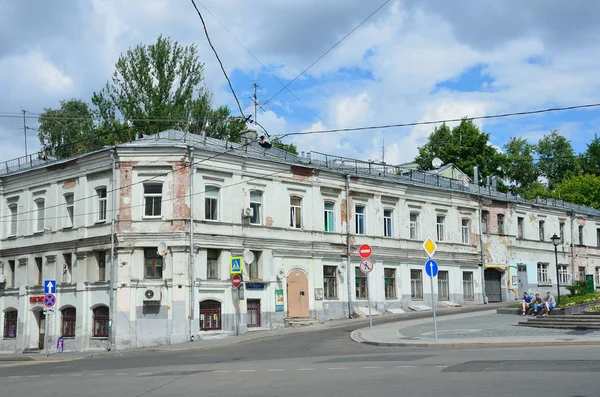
(557, 159)
(580, 189)
(520, 168)
(288, 147)
(465, 146)
(66, 131)
(590, 161)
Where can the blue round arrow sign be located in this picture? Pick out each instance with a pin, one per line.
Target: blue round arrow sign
(431, 268)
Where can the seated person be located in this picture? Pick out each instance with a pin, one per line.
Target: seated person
(526, 302)
(549, 304)
(538, 304)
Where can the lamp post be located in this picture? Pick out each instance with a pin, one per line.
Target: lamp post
(556, 240)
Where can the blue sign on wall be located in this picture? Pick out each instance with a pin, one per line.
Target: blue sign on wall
(431, 268)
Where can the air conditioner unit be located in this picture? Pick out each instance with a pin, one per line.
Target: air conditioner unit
(248, 212)
(151, 295)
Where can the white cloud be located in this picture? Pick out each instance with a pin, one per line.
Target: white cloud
(32, 71)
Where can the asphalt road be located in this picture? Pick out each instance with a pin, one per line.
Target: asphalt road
(316, 363)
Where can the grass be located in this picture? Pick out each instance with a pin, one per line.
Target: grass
(566, 301)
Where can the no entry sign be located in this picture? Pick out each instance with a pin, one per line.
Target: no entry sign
(365, 251)
(236, 280)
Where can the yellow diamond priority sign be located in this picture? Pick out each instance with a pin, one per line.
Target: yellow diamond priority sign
(429, 246)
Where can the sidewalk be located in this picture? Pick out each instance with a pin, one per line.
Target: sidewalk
(479, 329)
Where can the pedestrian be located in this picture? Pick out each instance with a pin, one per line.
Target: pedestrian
(549, 304)
(538, 304)
(526, 302)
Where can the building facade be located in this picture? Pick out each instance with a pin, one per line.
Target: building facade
(112, 227)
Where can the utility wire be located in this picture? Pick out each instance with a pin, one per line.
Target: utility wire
(494, 116)
(329, 50)
(219, 59)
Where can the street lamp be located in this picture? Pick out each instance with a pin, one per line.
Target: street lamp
(556, 240)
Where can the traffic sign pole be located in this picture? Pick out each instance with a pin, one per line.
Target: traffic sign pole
(46, 320)
(433, 307)
(431, 268)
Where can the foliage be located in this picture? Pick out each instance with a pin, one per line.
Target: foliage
(578, 288)
(583, 189)
(520, 169)
(595, 309)
(288, 147)
(567, 301)
(590, 161)
(557, 159)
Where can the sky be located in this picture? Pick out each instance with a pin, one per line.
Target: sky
(411, 61)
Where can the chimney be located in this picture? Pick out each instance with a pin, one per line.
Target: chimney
(494, 182)
(476, 175)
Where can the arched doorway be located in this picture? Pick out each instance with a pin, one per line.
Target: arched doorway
(493, 285)
(297, 294)
(210, 315)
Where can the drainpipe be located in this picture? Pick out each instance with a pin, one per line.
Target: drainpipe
(482, 255)
(572, 249)
(348, 246)
(111, 290)
(192, 264)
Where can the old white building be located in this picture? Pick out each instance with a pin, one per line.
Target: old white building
(95, 223)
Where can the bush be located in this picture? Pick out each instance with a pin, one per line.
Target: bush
(578, 288)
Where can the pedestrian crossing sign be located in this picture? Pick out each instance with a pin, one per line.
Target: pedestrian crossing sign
(235, 265)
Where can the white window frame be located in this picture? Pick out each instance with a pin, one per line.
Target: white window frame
(14, 219)
(542, 230)
(542, 273)
(152, 196)
(500, 223)
(597, 277)
(102, 203)
(388, 228)
(563, 274)
(360, 219)
(485, 216)
(296, 213)
(256, 205)
(212, 194)
(40, 214)
(69, 210)
(440, 229)
(521, 227)
(329, 221)
(413, 229)
(465, 230)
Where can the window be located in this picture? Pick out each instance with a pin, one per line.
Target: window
(598, 237)
(387, 223)
(10, 324)
(520, 233)
(11, 267)
(211, 203)
(414, 226)
(561, 229)
(68, 322)
(484, 221)
(210, 315)
(101, 258)
(153, 263)
(440, 227)
(253, 267)
(70, 210)
(360, 284)
(542, 272)
(580, 234)
(41, 210)
(152, 200)
(562, 274)
(443, 285)
(212, 264)
(468, 291)
(330, 282)
(101, 195)
(359, 219)
(295, 212)
(100, 322)
(38, 266)
(256, 205)
(416, 284)
(542, 224)
(597, 277)
(500, 220)
(67, 271)
(253, 312)
(582, 273)
(465, 231)
(13, 220)
(328, 225)
(389, 279)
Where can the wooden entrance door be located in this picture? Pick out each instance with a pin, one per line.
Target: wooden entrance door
(297, 294)
(493, 285)
(253, 312)
(42, 329)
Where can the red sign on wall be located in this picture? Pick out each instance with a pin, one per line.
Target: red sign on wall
(35, 299)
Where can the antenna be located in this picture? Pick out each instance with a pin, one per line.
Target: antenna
(383, 151)
(25, 130)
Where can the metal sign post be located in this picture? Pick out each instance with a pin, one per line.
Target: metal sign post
(46, 338)
(431, 268)
(49, 301)
(366, 266)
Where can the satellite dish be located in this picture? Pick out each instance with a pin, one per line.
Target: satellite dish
(280, 273)
(437, 163)
(162, 248)
(248, 257)
(342, 268)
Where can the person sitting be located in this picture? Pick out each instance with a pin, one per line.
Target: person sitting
(549, 304)
(526, 302)
(538, 304)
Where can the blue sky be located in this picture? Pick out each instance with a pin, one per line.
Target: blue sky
(412, 61)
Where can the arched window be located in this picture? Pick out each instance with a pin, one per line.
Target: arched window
(210, 315)
(69, 316)
(10, 323)
(100, 322)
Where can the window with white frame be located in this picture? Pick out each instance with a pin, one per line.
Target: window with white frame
(295, 212)
(580, 234)
(500, 222)
(414, 226)
(468, 290)
(69, 210)
(542, 227)
(562, 274)
(330, 282)
(67, 271)
(597, 277)
(484, 221)
(581, 273)
(212, 264)
(360, 283)
(416, 284)
(465, 231)
(328, 217)
(561, 229)
(597, 237)
(40, 221)
(440, 221)
(101, 206)
(520, 227)
(542, 272)
(389, 279)
(256, 205)
(387, 223)
(211, 203)
(359, 219)
(12, 231)
(152, 200)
